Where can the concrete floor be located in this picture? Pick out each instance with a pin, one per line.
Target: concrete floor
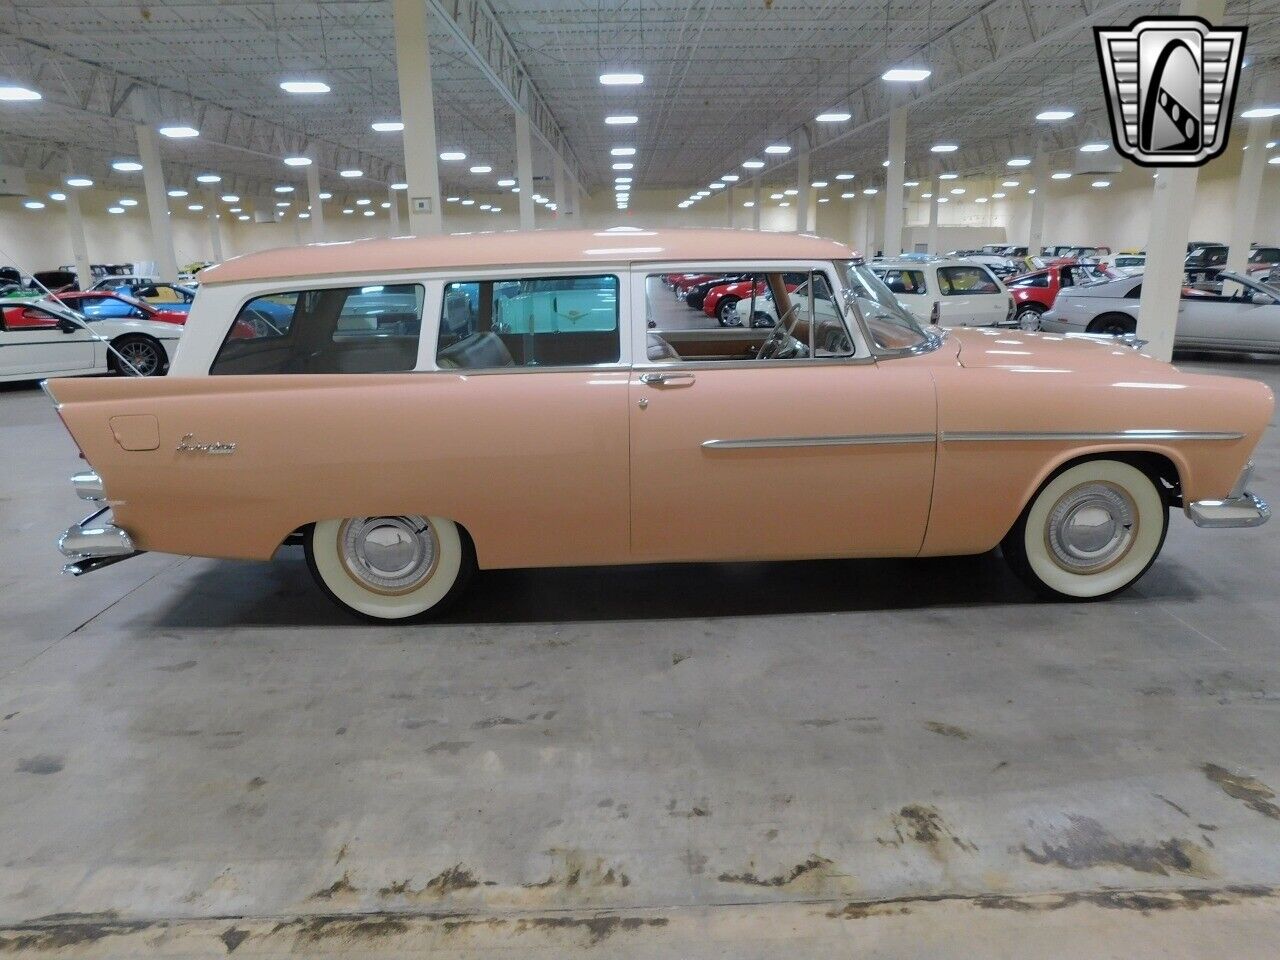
(892, 759)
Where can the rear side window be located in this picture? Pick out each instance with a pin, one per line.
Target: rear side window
(368, 329)
(957, 281)
(1035, 280)
(904, 281)
(529, 322)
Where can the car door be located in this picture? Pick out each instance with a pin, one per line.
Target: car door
(31, 342)
(1242, 316)
(741, 459)
(971, 296)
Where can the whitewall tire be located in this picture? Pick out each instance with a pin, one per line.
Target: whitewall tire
(1091, 531)
(390, 568)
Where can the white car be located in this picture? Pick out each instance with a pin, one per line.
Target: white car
(1130, 264)
(947, 292)
(43, 338)
(1241, 315)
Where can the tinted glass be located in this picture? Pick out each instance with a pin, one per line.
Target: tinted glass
(957, 281)
(370, 329)
(904, 281)
(1035, 280)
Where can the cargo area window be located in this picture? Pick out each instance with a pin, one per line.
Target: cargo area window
(529, 322)
(959, 281)
(365, 329)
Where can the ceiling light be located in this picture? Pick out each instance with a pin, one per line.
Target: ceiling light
(884, 163)
(386, 205)
(824, 199)
(482, 168)
(906, 74)
(622, 152)
(948, 176)
(926, 196)
(621, 79)
(57, 195)
(1100, 183)
(399, 186)
(1009, 183)
(79, 182)
(753, 164)
(126, 166)
(621, 119)
(791, 192)
(33, 204)
(943, 199)
(785, 203)
(195, 207)
(495, 209)
(15, 94)
(911, 183)
(748, 203)
(506, 183)
(387, 126)
(351, 174)
(127, 202)
(243, 216)
(716, 186)
(624, 166)
(1057, 114)
(775, 196)
(1031, 192)
(453, 155)
(234, 210)
(848, 196)
(835, 116)
(1274, 160)
(297, 161)
(731, 178)
(362, 202)
(208, 178)
(979, 199)
(179, 132)
(468, 202)
(778, 148)
(819, 184)
(1018, 162)
(304, 216)
(284, 188)
(326, 196)
(348, 210)
(844, 176)
(621, 179)
(486, 206)
(279, 203)
(368, 213)
(1061, 175)
(703, 193)
(304, 86)
(871, 191)
(944, 148)
(997, 196)
(1260, 113)
(1093, 147)
(115, 209)
(957, 191)
(177, 192)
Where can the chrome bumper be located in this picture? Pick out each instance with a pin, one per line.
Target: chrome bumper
(1239, 509)
(91, 544)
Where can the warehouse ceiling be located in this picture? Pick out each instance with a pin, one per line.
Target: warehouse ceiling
(722, 81)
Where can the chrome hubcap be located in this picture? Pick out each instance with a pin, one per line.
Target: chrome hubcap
(1029, 320)
(1091, 528)
(389, 555)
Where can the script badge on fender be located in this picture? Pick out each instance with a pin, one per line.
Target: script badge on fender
(1171, 88)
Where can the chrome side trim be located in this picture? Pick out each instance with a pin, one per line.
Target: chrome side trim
(87, 485)
(1245, 510)
(864, 440)
(983, 436)
(105, 540)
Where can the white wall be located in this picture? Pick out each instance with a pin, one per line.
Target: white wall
(1075, 213)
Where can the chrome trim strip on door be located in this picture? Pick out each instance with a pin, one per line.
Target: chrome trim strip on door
(863, 440)
(979, 435)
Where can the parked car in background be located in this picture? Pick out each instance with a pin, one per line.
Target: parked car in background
(106, 305)
(947, 292)
(1241, 315)
(722, 302)
(615, 445)
(1003, 267)
(695, 295)
(1034, 293)
(1204, 263)
(42, 337)
(1130, 264)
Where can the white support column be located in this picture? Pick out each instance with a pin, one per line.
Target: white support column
(1173, 198)
(417, 112)
(755, 203)
(728, 206)
(558, 196)
(215, 225)
(79, 248)
(854, 212)
(1039, 178)
(524, 170)
(935, 234)
(157, 204)
(893, 189)
(313, 193)
(802, 185)
(393, 227)
(1248, 194)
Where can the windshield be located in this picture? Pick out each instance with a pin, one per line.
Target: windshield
(891, 325)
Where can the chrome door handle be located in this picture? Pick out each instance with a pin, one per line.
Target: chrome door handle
(663, 379)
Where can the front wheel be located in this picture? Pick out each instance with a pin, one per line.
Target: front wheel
(390, 568)
(1113, 324)
(1028, 318)
(727, 312)
(1091, 531)
(138, 355)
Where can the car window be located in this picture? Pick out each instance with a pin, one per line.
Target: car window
(1034, 280)
(1130, 261)
(910, 282)
(1265, 255)
(529, 322)
(368, 329)
(24, 317)
(108, 308)
(960, 281)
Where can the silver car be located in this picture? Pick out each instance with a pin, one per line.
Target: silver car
(1239, 314)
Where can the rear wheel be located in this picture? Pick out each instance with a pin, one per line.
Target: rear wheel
(138, 355)
(727, 312)
(1113, 324)
(1028, 317)
(390, 568)
(1091, 531)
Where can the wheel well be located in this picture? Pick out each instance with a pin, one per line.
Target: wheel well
(1157, 466)
(1099, 321)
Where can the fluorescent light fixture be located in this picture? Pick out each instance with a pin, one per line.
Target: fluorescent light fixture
(58, 196)
(844, 176)
(115, 209)
(621, 119)
(997, 196)
(835, 116)
(1093, 147)
(468, 202)
(126, 166)
(399, 186)
(1260, 113)
(177, 192)
(716, 186)
(621, 179)
(284, 188)
(1055, 114)
(957, 191)
(1100, 184)
(1009, 183)
(1274, 160)
(281, 203)
(785, 203)
(127, 202)
(824, 199)
(243, 216)
(208, 178)
(870, 191)
(233, 210)
(326, 196)
(979, 199)
(1061, 175)
(791, 191)
(482, 168)
(304, 216)
(508, 182)
(621, 79)
(385, 204)
(1031, 192)
(926, 196)
(703, 193)
(33, 204)
(819, 184)
(453, 155)
(363, 202)
(351, 174)
(297, 161)
(79, 182)
(304, 86)
(622, 151)
(17, 94)
(943, 199)
(753, 164)
(906, 74)
(911, 183)
(387, 126)
(624, 166)
(1018, 162)
(944, 148)
(348, 210)
(776, 196)
(486, 206)
(495, 209)
(731, 178)
(948, 176)
(179, 132)
(368, 213)
(884, 163)
(849, 195)
(778, 148)
(195, 207)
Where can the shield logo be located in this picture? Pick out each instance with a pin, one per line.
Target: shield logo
(1171, 88)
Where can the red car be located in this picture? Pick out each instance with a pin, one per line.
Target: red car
(100, 304)
(1034, 293)
(722, 302)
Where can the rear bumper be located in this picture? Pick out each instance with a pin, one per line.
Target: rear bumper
(1245, 510)
(91, 544)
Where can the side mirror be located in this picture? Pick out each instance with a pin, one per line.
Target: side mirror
(1262, 300)
(67, 326)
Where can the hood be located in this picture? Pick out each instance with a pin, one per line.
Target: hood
(1015, 349)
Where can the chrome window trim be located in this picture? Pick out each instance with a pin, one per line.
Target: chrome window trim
(751, 364)
(855, 440)
(966, 436)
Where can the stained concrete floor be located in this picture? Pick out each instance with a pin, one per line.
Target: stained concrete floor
(893, 759)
